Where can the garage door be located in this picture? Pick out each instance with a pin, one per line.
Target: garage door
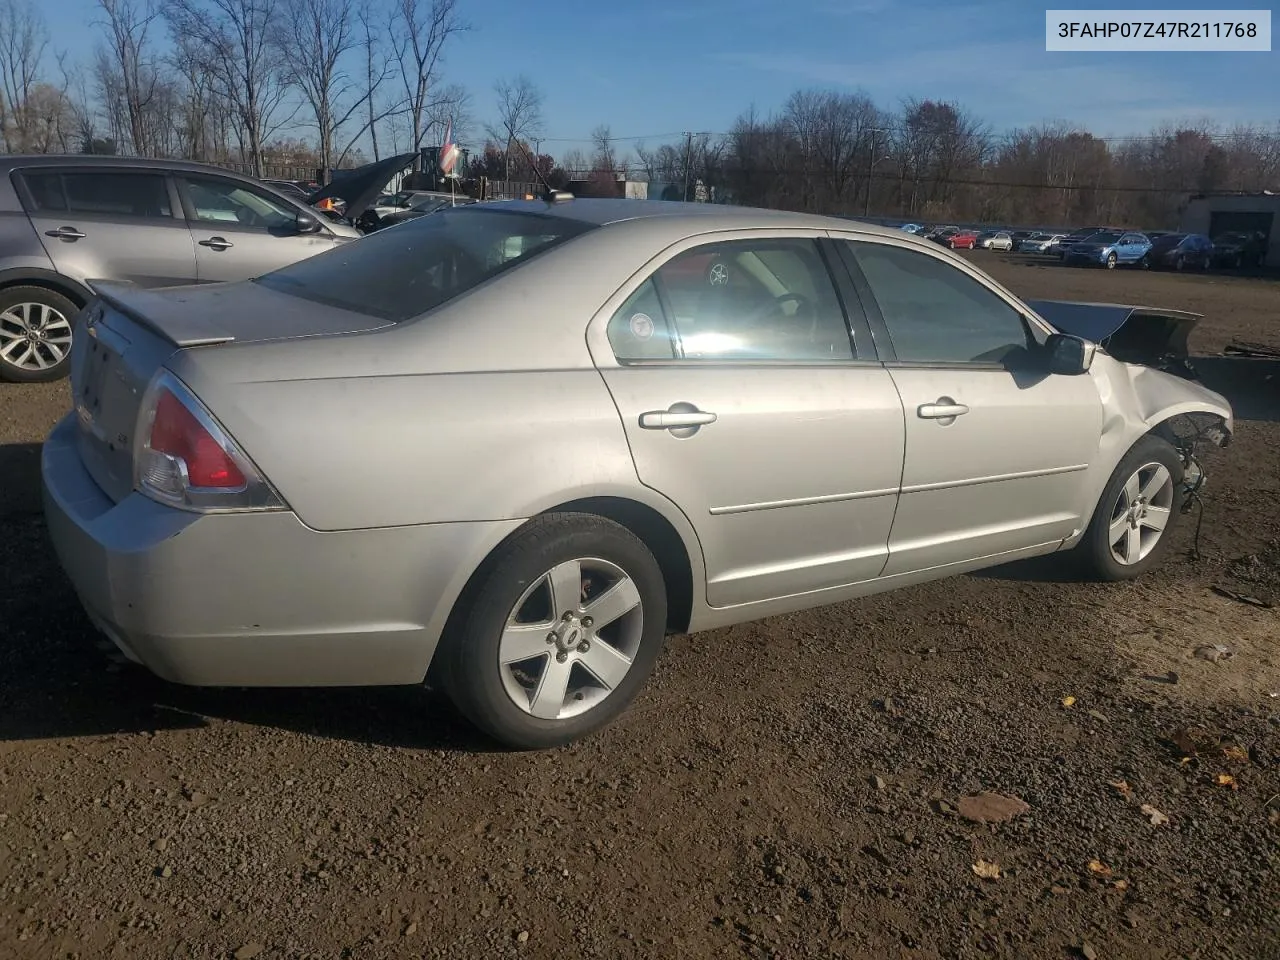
(1224, 221)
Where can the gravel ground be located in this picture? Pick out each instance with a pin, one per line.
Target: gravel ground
(791, 788)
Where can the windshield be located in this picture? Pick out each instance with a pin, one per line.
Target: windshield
(403, 272)
(1103, 238)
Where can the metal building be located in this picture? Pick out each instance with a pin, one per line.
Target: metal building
(1215, 215)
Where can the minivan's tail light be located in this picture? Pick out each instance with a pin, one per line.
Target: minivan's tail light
(183, 457)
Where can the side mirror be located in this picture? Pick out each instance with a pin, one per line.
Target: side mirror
(1069, 356)
(305, 223)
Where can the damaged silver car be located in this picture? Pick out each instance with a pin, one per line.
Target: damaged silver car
(517, 445)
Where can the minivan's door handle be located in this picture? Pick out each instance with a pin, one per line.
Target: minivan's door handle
(65, 233)
(944, 408)
(218, 243)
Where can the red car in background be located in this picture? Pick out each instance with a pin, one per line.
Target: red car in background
(964, 240)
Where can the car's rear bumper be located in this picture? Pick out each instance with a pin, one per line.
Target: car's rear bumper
(255, 599)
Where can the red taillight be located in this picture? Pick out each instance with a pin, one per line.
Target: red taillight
(176, 431)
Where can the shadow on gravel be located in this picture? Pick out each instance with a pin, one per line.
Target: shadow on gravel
(19, 479)
(1251, 384)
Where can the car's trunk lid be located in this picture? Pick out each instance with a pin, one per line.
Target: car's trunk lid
(128, 333)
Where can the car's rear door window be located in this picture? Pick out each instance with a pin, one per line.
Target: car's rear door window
(114, 194)
(744, 300)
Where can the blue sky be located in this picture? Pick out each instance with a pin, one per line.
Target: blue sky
(663, 66)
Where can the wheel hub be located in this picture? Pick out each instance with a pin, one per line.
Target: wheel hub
(573, 633)
(1137, 512)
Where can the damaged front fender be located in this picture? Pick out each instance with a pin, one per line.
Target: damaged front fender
(1153, 337)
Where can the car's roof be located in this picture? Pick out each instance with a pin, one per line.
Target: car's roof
(97, 160)
(702, 216)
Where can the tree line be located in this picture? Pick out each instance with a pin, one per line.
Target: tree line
(237, 80)
(222, 80)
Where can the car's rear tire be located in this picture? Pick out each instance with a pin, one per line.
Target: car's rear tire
(35, 334)
(522, 603)
(1137, 512)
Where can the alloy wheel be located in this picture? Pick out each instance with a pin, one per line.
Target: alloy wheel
(1141, 513)
(571, 638)
(34, 336)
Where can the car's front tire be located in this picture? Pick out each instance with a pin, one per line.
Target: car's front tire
(1137, 512)
(558, 633)
(35, 334)
(1111, 261)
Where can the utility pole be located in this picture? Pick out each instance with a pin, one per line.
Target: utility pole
(871, 167)
(688, 158)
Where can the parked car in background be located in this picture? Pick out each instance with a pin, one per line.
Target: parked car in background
(420, 205)
(1040, 242)
(942, 234)
(911, 228)
(1071, 239)
(962, 240)
(223, 503)
(1109, 250)
(1239, 249)
(995, 240)
(290, 188)
(1179, 251)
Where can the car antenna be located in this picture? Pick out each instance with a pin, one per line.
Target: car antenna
(549, 193)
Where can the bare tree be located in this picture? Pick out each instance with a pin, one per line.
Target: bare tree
(605, 158)
(127, 65)
(376, 69)
(235, 37)
(519, 112)
(421, 29)
(314, 37)
(23, 40)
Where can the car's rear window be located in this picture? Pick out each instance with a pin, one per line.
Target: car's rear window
(402, 272)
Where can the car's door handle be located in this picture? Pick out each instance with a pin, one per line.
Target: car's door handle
(943, 409)
(65, 233)
(218, 243)
(675, 419)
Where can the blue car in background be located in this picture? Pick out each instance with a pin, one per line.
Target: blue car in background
(1109, 249)
(912, 228)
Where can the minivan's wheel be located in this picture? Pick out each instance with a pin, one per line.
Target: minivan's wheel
(1140, 506)
(35, 334)
(1111, 261)
(1180, 264)
(559, 634)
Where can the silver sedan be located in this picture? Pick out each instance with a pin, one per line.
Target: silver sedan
(519, 444)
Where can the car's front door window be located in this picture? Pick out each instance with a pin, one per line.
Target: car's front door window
(229, 203)
(750, 300)
(937, 313)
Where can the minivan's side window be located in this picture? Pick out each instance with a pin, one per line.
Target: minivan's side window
(229, 203)
(937, 313)
(768, 299)
(107, 193)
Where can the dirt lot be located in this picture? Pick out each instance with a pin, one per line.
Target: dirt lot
(783, 789)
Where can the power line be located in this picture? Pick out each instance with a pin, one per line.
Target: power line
(1144, 138)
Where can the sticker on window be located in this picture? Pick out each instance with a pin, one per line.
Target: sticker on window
(641, 326)
(718, 275)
